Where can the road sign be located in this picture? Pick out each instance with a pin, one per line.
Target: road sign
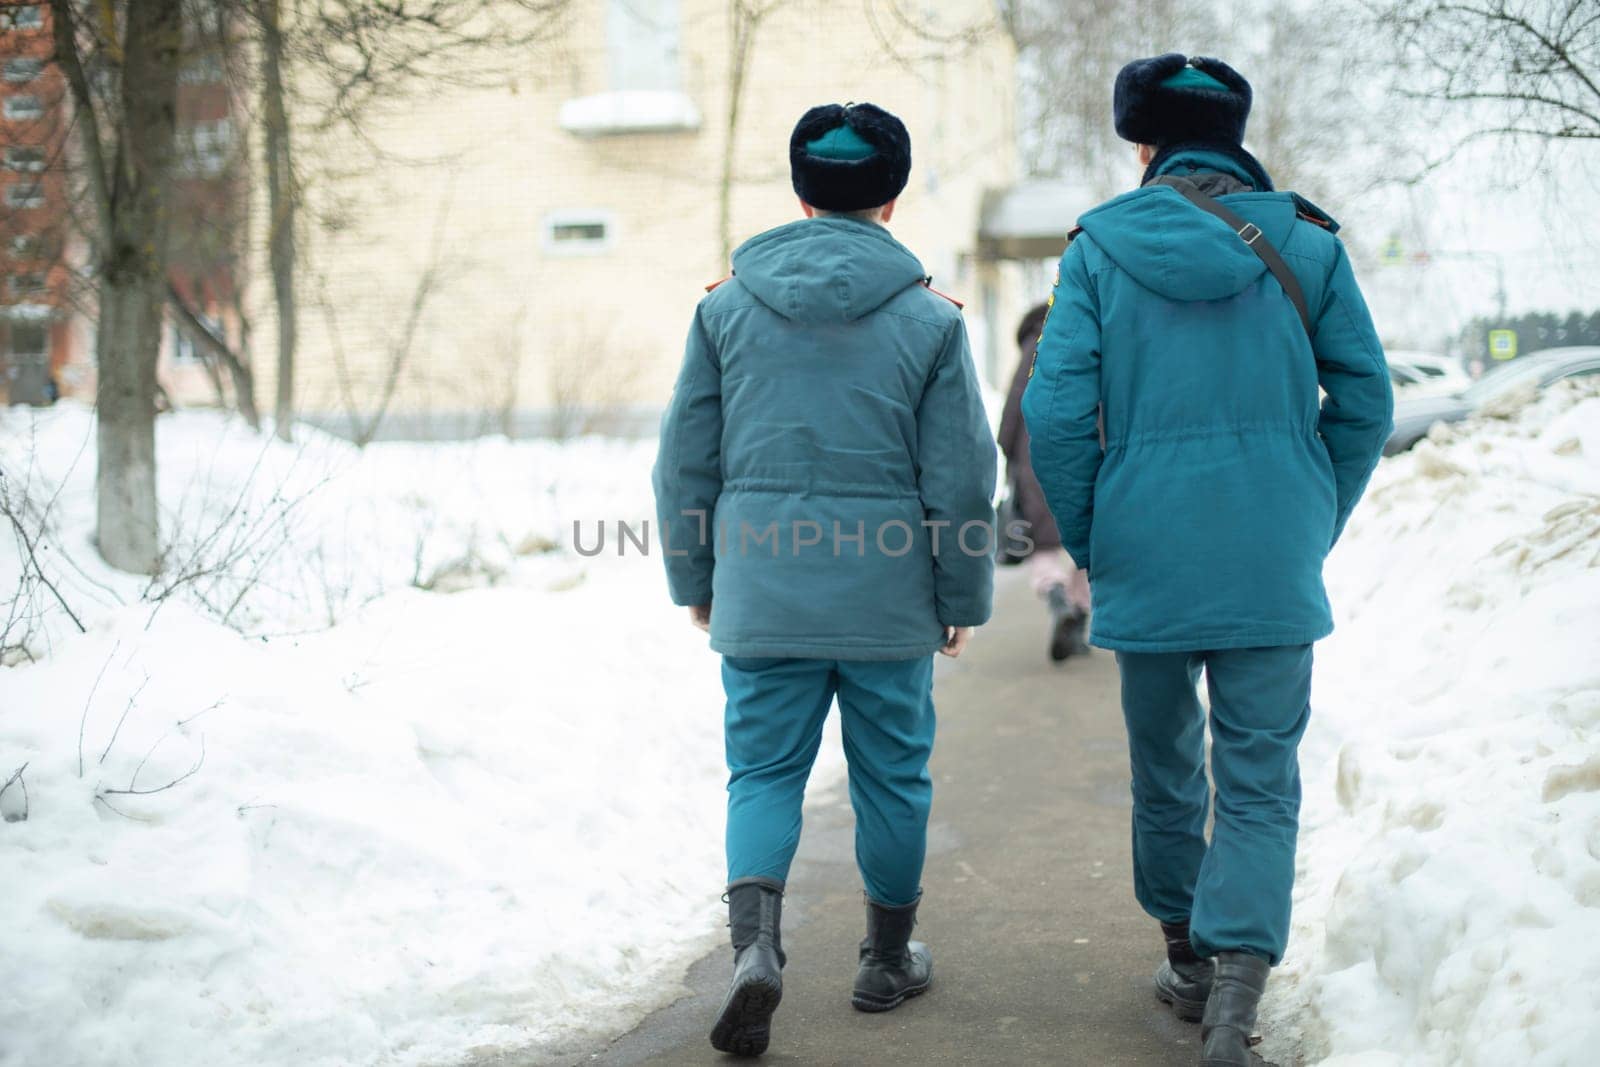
(1393, 252)
(1503, 344)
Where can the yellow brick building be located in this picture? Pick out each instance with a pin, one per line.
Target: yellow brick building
(526, 256)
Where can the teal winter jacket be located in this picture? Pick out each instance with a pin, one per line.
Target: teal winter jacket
(826, 469)
(1222, 484)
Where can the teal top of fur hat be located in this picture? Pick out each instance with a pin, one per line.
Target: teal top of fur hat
(841, 142)
(1191, 78)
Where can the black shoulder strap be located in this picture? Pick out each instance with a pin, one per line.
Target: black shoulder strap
(1251, 235)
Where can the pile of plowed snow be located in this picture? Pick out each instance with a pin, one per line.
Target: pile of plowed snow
(1447, 909)
(311, 809)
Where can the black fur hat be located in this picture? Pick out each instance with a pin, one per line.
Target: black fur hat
(835, 182)
(1154, 105)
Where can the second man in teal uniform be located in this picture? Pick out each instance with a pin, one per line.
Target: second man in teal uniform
(1177, 433)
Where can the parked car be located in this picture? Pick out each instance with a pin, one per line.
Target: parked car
(1415, 416)
(1419, 372)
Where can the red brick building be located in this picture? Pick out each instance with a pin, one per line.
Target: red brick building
(46, 275)
(36, 339)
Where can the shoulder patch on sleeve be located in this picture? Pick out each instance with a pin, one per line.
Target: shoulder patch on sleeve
(927, 283)
(1305, 209)
(714, 284)
(1072, 234)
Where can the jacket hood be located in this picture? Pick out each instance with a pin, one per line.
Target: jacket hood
(829, 269)
(1173, 248)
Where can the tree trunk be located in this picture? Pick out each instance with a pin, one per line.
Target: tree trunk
(741, 35)
(281, 204)
(133, 288)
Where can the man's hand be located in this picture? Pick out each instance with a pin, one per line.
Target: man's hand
(700, 615)
(955, 640)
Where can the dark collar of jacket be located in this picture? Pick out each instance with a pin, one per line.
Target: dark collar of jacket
(1222, 160)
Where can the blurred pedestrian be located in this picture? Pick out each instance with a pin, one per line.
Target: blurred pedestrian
(1199, 315)
(1055, 579)
(828, 418)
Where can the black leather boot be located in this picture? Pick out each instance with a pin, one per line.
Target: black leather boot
(1184, 978)
(755, 913)
(1067, 624)
(893, 967)
(1230, 1016)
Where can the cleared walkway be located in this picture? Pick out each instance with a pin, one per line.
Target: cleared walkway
(1041, 955)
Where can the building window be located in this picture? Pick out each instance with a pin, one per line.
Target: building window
(24, 194)
(29, 340)
(24, 106)
(25, 246)
(203, 69)
(644, 79)
(19, 70)
(642, 44)
(26, 284)
(578, 233)
(22, 17)
(205, 147)
(24, 159)
(181, 346)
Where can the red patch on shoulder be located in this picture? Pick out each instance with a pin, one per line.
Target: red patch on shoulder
(714, 284)
(947, 296)
(1312, 218)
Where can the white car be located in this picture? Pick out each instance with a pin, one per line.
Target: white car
(1425, 373)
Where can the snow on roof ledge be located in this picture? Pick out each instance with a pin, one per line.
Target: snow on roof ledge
(629, 111)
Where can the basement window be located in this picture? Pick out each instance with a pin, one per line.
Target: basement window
(576, 234)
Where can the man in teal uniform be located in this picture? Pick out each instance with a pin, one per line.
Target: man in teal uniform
(1177, 433)
(823, 488)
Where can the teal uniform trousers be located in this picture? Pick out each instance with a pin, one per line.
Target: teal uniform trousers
(775, 712)
(1235, 890)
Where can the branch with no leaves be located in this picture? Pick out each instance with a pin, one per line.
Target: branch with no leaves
(30, 549)
(17, 780)
(89, 702)
(133, 789)
(132, 700)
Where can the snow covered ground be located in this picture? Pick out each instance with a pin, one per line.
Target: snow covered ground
(391, 775)
(361, 820)
(1448, 903)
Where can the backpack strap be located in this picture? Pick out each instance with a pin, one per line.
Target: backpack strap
(1251, 235)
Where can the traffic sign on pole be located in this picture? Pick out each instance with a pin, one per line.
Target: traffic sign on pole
(1503, 344)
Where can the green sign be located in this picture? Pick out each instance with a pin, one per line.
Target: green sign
(1503, 344)
(1393, 251)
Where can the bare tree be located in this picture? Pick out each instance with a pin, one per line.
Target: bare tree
(1069, 55)
(131, 185)
(744, 23)
(1321, 123)
(282, 203)
(364, 422)
(1315, 124)
(1506, 68)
